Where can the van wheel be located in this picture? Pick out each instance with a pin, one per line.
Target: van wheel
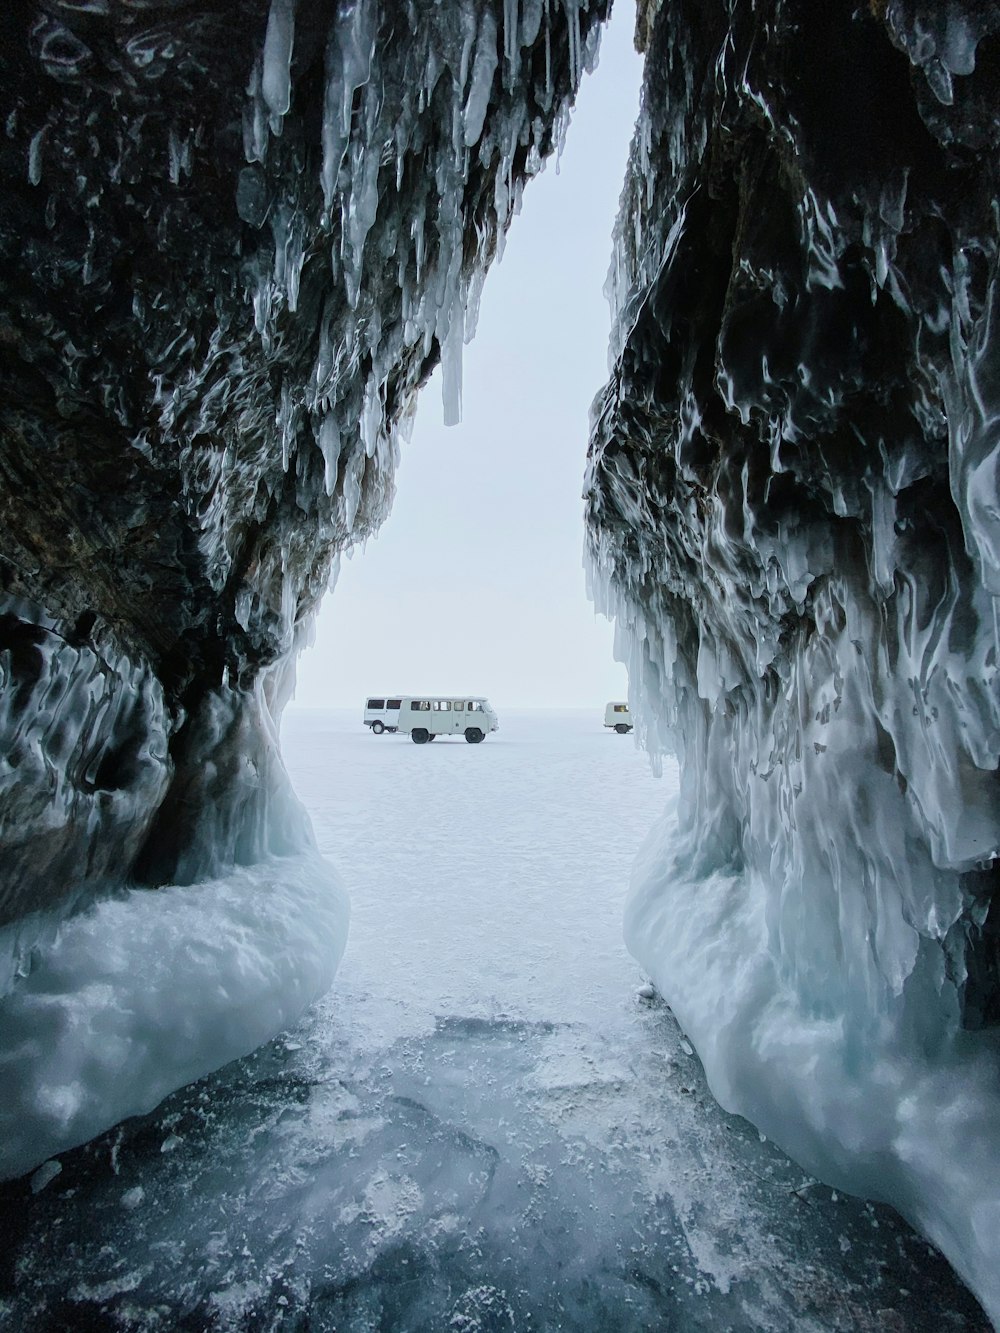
(377, 728)
(473, 735)
(622, 728)
(420, 736)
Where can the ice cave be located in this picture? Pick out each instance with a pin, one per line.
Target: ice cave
(237, 241)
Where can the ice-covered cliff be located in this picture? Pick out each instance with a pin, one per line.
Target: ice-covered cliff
(793, 512)
(236, 236)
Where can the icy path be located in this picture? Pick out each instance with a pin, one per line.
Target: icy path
(482, 1128)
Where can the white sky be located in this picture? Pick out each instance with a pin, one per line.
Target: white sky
(475, 582)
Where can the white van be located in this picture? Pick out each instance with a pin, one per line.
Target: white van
(382, 713)
(427, 717)
(617, 715)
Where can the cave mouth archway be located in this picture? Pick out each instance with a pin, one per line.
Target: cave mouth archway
(232, 257)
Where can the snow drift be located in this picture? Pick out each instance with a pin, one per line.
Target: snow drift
(145, 992)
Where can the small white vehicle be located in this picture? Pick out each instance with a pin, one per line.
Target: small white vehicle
(617, 715)
(382, 714)
(428, 717)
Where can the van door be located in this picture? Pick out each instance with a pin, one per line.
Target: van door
(440, 717)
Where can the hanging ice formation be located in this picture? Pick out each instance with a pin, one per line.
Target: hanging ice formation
(234, 242)
(793, 517)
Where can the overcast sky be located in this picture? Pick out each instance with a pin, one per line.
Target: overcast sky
(475, 582)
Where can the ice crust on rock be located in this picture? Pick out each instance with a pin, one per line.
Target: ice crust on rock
(249, 243)
(792, 518)
(234, 245)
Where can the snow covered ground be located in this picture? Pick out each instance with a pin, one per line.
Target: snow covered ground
(483, 1127)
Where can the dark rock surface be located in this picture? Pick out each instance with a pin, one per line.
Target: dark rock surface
(234, 239)
(793, 511)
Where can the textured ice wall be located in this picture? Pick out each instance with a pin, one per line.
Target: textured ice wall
(793, 515)
(235, 239)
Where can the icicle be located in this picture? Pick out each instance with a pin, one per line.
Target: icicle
(329, 443)
(481, 85)
(348, 67)
(254, 119)
(451, 365)
(361, 206)
(276, 80)
(469, 30)
(35, 156)
(178, 156)
(511, 48)
(371, 417)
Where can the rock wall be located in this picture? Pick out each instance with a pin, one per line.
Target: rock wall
(793, 513)
(235, 239)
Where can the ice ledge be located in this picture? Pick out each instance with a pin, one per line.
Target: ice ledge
(872, 1112)
(148, 991)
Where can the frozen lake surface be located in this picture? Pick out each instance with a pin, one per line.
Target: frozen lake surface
(483, 1127)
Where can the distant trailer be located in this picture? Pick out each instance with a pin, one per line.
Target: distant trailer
(428, 717)
(382, 714)
(618, 716)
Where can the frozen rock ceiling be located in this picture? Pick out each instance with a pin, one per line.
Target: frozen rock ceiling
(235, 240)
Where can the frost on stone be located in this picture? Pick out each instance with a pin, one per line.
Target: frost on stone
(793, 519)
(234, 244)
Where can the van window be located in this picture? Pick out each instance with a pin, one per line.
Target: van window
(475, 706)
(376, 703)
(420, 706)
(458, 706)
(393, 703)
(442, 706)
(621, 708)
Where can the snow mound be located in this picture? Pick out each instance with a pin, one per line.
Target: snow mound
(148, 991)
(861, 1105)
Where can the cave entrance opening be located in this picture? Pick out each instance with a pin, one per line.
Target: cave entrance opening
(484, 1125)
(475, 581)
(485, 964)
(476, 584)
(494, 888)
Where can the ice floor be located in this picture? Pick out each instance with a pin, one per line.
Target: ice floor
(483, 1127)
